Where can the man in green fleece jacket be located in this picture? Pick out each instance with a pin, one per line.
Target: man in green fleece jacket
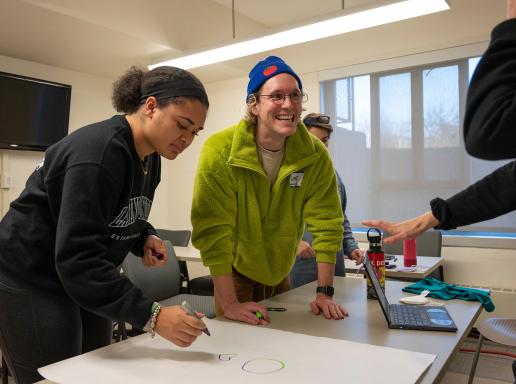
(257, 183)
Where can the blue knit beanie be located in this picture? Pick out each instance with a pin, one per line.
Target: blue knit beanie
(267, 68)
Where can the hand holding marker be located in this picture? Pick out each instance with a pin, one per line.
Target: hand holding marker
(259, 315)
(191, 312)
(157, 255)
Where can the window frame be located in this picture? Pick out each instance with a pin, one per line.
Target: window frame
(459, 55)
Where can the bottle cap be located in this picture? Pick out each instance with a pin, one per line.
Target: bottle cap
(374, 238)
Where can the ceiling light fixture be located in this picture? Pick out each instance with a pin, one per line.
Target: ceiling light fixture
(384, 14)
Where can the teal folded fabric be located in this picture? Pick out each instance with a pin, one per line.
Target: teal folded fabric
(441, 290)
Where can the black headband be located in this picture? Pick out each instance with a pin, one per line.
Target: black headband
(174, 88)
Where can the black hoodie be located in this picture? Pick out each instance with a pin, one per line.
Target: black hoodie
(489, 133)
(82, 210)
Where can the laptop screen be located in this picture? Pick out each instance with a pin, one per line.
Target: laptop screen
(377, 287)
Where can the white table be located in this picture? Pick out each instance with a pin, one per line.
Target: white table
(189, 253)
(425, 266)
(365, 324)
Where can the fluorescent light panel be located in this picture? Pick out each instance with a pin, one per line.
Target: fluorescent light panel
(348, 23)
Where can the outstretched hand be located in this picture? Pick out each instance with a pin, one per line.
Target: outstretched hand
(330, 309)
(247, 313)
(409, 229)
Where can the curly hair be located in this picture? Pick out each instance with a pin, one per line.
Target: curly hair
(129, 88)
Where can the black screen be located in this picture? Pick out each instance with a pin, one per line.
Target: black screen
(33, 113)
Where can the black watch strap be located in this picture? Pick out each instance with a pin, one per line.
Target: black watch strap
(326, 289)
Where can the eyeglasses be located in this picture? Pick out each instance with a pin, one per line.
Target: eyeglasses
(315, 120)
(279, 98)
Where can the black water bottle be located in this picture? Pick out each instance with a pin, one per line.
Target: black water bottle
(377, 259)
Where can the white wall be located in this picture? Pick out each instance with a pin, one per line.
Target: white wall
(90, 102)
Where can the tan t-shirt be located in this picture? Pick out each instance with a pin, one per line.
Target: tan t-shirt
(271, 161)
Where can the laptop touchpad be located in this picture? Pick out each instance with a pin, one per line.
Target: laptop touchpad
(439, 316)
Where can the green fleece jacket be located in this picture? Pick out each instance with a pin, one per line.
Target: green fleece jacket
(240, 222)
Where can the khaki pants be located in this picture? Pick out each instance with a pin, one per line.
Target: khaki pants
(247, 289)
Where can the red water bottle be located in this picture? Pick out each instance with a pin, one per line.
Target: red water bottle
(409, 253)
(377, 259)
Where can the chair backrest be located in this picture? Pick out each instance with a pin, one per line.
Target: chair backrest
(179, 238)
(428, 244)
(157, 283)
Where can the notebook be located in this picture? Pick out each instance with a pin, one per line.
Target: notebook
(400, 316)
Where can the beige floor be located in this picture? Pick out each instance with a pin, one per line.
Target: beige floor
(491, 368)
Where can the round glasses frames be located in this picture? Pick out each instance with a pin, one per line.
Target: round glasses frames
(279, 97)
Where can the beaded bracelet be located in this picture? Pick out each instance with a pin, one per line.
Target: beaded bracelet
(156, 307)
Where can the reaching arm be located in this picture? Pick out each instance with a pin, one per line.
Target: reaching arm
(322, 213)
(84, 199)
(404, 230)
(488, 198)
(233, 309)
(323, 303)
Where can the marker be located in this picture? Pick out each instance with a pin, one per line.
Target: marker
(191, 312)
(157, 255)
(259, 315)
(276, 309)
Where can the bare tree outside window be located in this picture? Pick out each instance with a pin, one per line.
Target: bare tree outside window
(397, 140)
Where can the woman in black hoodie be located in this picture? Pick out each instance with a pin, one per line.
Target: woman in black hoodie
(83, 209)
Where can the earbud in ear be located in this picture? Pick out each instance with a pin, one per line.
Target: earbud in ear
(251, 99)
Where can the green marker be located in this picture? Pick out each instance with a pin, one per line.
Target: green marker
(259, 315)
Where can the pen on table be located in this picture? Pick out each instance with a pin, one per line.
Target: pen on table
(276, 309)
(191, 312)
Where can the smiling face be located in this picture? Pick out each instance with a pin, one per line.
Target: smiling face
(276, 121)
(172, 128)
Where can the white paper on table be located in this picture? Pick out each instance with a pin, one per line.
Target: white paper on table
(235, 349)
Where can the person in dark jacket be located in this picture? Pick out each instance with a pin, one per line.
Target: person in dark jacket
(82, 210)
(489, 133)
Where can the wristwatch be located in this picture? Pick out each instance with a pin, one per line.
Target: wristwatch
(326, 289)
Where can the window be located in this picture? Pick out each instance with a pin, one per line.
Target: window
(398, 143)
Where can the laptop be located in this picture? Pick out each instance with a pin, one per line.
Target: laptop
(402, 316)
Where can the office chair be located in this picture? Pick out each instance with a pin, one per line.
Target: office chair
(498, 329)
(178, 238)
(429, 243)
(202, 285)
(163, 284)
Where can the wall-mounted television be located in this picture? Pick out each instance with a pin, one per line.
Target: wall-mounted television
(34, 113)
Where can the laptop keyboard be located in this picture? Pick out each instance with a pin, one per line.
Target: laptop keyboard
(409, 315)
